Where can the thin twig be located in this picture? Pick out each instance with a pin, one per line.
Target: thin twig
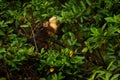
(33, 34)
(37, 26)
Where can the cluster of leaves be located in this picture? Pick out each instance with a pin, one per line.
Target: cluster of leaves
(90, 35)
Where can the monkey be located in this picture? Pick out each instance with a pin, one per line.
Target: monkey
(43, 33)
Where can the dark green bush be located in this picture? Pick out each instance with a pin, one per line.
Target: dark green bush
(86, 46)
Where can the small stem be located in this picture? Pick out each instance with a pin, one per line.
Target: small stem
(34, 38)
(33, 35)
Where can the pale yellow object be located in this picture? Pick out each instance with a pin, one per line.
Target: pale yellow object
(71, 53)
(51, 69)
(53, 23)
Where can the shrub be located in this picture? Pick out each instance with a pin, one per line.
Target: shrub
(88, 40)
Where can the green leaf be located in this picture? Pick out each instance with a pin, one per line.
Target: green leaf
(25, 25)
(100, 74)
(109, 66)
(2, 33)
(2, 78)
(107, 76)
(103, 27)
(115, 19)
(118, 30)
(11, 12)
(74, 9)
(9, 22)
(54, 77)
(30, 50)
(77, 59)
(2, 50)
(42, 79)
(84, 49)
(83, 4)
(94, 31)
(109, 19)
(42, 50)
(60, 76)
(115, 77)
(88, 2)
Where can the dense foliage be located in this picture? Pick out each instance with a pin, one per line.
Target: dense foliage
(86, 47)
